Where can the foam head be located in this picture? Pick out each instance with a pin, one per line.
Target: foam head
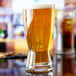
(38, 6)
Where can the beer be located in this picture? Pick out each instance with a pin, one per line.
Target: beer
(39, 30)
(39, 34)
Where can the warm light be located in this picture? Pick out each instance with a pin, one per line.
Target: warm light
(59, 15)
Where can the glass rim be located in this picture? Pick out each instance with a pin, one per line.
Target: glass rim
(39, 6)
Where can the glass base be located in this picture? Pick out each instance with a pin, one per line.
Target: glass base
(43, 68)
(39, 74)
(39, 62)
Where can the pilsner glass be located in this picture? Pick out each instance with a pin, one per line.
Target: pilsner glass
(39, 25)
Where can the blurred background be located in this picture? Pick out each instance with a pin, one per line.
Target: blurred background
(12, 32)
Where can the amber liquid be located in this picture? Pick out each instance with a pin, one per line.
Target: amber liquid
(67, 34)
(39, 34)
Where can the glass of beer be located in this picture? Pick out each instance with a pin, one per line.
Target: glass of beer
(38, 25)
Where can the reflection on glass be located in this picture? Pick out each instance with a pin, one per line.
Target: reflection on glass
(65, 65)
